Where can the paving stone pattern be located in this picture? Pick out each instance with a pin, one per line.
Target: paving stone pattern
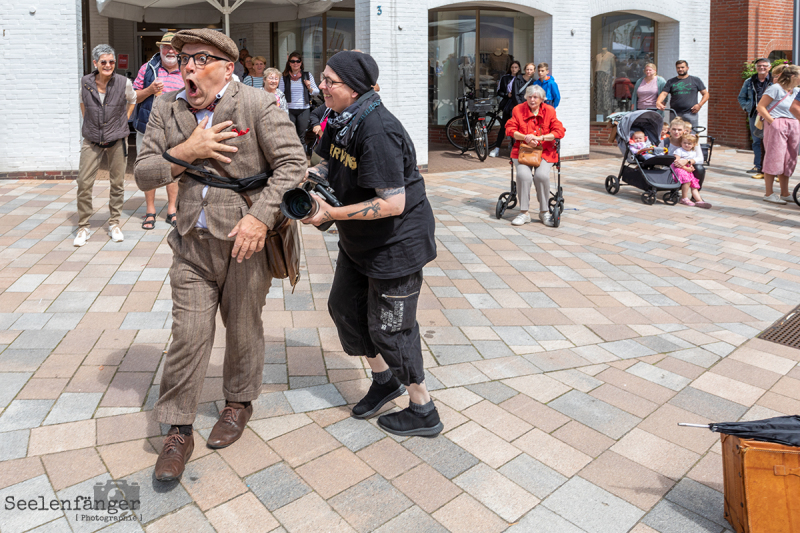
(560, 360)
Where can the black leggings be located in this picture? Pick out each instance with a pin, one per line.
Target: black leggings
(299, 118)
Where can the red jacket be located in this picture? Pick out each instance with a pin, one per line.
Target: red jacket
(523, 121)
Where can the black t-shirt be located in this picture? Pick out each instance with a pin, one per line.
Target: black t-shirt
(760, 87)
(684, 93)
(381, 156)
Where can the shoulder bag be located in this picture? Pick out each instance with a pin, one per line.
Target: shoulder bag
(530, 156)
(759, 122)
(282, 243)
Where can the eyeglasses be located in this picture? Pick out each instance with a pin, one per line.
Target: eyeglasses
(295, 61)
(200, 59)
(327, 81)
(104, 62)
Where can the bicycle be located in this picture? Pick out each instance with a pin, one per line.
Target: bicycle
(469, 130)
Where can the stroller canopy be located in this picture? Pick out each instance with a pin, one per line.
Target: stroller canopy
(649, 122)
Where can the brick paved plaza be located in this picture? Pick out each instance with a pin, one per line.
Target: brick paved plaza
(560, 360)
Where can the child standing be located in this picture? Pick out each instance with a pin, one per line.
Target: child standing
(546, 82)
(684, 172)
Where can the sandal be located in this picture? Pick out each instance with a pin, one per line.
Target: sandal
(171, 219)
(149, 221)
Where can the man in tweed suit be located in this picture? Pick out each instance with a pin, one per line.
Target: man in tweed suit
(237, 132)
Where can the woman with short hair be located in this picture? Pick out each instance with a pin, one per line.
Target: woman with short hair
(781, 133)
(647, 88)
(272, 78)
(535, 124)
(256, 77)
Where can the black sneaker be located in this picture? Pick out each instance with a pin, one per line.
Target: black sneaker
(377, 397)
(406, 423)
(754, 170)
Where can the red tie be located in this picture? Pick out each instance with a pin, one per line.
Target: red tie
(210, 107)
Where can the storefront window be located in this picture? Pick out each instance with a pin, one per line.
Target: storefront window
(341, 34)
(456, 38)
(451, 61)
(505, 36)
(622, 44)
(304, 36)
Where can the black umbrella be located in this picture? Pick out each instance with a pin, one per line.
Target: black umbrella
(780, 430)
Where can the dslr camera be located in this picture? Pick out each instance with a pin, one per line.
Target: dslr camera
(299, 204)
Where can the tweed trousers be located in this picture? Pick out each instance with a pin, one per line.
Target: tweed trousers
(204, 277)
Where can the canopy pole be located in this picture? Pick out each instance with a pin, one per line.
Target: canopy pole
(227, 19)
(226, 12)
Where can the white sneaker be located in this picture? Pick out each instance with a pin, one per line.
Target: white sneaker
(115, 233)
(774, 199)
(522, 218)
(81, 237)
(495, 152)
(788, 199)
(547, 219)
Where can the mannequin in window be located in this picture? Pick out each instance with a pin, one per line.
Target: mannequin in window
(499, 63)
(605, 70)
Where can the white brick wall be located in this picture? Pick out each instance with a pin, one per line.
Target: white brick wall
(397, 38)
(41, 119)
(402, 54)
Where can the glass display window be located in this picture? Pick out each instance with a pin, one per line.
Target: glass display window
(304, 36)
(622, 44)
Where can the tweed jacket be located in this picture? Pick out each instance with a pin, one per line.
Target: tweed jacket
(271, 142)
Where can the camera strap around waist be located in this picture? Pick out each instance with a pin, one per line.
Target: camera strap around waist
(221, 182)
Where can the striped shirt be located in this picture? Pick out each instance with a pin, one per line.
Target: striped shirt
(256, 82)
(173, 81)
(298, 88)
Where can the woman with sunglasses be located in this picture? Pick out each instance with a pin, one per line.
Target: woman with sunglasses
(298, 86)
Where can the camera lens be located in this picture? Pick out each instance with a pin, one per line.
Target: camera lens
(297, 204)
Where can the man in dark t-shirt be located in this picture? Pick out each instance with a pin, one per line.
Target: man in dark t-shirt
(386, 228)
(683, 90)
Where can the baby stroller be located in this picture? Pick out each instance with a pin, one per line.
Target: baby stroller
(650, 175)
(508, 200)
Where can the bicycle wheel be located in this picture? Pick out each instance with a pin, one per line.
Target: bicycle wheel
(481, 141)
(458, 135)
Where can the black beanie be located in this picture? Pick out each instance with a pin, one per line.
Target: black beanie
(358, 70)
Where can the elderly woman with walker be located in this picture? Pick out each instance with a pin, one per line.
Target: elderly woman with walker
(534, 128)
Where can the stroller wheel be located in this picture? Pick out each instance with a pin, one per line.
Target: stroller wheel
(649, 197)
(512, 202)
(671, 198)
(796, 194)
(556, 215)
(612, 184)
(502, 205)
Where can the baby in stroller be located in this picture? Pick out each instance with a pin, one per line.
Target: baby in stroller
(641, 146)
(683, 168)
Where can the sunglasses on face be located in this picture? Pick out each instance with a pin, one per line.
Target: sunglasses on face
(104, 62)
(295, 61)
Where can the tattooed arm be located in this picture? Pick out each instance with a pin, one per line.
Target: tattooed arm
(387, 203)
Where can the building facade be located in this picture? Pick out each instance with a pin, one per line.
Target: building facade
(426, 49)
(742, 31)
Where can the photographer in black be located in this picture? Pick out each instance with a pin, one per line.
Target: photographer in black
(386, 230)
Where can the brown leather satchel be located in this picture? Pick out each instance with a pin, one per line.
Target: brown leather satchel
(283, 248)
(530, 156)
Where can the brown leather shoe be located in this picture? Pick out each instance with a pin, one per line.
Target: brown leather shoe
(177, 450)
(230, 425)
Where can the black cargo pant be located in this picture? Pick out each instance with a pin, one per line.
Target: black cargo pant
(378, 316)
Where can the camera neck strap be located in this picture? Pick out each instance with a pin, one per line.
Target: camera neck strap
(205, 177)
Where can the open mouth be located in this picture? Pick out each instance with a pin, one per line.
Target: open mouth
(191, 88)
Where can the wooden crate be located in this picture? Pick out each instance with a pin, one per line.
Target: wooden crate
(762, 486)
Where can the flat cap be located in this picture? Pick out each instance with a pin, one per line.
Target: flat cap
(206, 36)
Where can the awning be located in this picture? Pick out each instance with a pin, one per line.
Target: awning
(210, 11)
